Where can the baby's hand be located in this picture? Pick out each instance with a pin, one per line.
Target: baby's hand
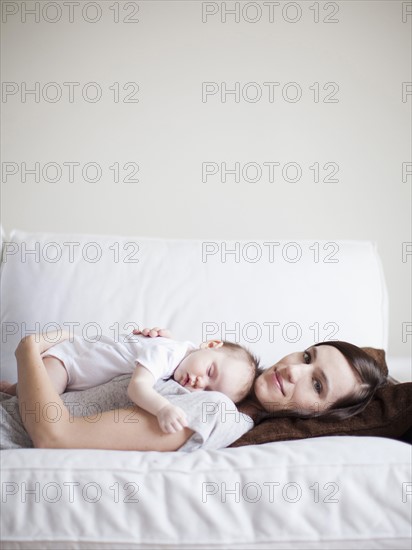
(171, 419)
(154, 332)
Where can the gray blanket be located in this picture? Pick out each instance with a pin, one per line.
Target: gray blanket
(109, 396)
(212, 416)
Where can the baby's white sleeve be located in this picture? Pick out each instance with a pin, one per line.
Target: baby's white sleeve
(160, 355)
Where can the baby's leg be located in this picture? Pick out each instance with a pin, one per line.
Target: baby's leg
(57, 373)
(6, 387)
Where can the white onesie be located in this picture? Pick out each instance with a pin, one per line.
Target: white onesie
(90, 364)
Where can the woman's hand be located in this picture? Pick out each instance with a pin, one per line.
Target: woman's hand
(25, 344)
(154, 332)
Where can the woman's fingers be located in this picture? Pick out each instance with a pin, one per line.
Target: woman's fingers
(154, 332)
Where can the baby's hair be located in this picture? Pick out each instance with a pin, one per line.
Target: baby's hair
(240, 352)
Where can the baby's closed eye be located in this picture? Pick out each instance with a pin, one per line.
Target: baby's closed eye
(211, 370)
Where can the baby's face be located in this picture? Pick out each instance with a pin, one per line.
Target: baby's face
(213, 370)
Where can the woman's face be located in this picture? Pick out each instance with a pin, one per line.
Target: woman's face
(307, 381)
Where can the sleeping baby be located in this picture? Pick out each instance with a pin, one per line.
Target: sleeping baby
(78, 364)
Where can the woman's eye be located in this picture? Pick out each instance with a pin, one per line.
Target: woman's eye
(318, 386)
(306, 357)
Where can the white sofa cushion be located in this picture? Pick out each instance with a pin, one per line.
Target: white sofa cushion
(175, 284)
(257, 295)
(332, 492)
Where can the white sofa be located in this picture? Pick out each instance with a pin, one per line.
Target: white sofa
(274, 296)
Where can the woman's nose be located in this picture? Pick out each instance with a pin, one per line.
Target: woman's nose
(294, 373)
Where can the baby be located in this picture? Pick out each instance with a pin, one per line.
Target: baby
(215, 365)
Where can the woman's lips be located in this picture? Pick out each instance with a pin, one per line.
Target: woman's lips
(278, 381)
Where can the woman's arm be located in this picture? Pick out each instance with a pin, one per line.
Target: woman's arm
(50, 425)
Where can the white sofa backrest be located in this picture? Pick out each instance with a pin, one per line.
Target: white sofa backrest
(273, 296)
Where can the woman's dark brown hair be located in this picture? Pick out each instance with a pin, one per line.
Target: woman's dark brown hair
(366, 369)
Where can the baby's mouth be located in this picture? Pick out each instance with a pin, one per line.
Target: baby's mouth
(185, 380)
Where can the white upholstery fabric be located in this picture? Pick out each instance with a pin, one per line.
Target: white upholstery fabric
(205, 499)
(198, 289)
(333, 492)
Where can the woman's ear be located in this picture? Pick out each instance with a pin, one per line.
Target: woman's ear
(211, 344)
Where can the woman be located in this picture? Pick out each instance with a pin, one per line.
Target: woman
(331, 378)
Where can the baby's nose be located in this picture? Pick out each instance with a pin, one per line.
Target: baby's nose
(199, 382)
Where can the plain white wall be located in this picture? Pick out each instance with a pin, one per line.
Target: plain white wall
(360, 60)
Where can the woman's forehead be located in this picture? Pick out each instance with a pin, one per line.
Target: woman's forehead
(329, 354)
(336, 367)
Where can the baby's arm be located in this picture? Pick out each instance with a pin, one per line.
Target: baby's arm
(140, 390)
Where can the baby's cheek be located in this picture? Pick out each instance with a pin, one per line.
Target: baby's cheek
(176, 373)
